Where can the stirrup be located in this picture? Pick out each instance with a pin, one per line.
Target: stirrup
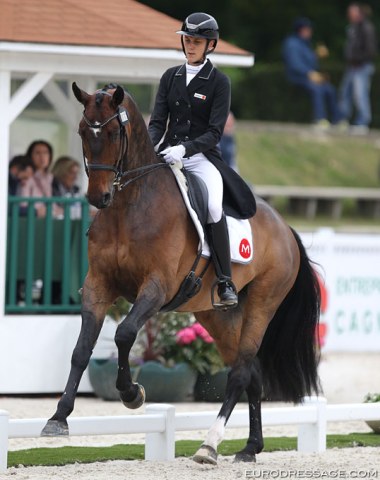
(218, 305)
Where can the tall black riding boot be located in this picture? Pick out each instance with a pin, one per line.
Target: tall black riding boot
(219, 242)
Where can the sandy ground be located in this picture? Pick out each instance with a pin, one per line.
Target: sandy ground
(334, 463)
(346, 378)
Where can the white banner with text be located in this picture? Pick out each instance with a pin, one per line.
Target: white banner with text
(349, 267)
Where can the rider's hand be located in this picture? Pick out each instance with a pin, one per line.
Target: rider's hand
(174, 154)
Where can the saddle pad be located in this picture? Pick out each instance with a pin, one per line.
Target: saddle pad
(240, 232)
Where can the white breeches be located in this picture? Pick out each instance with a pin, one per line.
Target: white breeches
(203, 168)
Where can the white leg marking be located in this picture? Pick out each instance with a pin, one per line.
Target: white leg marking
(216, 433)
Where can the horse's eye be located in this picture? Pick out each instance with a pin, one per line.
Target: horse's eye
(114, 136)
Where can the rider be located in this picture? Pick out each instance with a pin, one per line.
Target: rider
(196, 99)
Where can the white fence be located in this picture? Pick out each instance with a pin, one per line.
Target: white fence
(161, 422)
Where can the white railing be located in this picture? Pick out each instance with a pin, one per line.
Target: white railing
(161, 422)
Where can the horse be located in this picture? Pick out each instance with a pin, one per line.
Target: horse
(142, 244)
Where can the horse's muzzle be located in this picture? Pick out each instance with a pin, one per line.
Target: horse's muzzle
(100, 201)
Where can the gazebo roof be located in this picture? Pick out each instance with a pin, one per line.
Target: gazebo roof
(123, 23)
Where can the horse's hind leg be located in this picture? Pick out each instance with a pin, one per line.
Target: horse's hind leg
(255, 441)
(225, 327)
(239, 379)
(93, 313)
(238, 334)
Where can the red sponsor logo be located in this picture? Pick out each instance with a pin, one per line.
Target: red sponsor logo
(245, 248)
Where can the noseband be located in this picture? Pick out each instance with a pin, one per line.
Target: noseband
(122, 116)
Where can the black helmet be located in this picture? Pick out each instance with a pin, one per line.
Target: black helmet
(201, 25)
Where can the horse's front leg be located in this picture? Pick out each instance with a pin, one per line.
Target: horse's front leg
(149, 301)
(93, 313)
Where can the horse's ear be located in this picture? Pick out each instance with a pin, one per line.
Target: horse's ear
(80, 95)
(118, 96)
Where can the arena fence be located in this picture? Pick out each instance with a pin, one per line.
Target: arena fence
(46, 257)
(160, 422)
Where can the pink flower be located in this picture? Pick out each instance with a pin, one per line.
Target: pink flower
(186, 336)
(202, 333)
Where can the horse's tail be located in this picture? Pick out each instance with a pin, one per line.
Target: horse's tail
(289, 354)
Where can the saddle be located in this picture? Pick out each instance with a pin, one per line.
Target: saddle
(198, 196)
(195, 196)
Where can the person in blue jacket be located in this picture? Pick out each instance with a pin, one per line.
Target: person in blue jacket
(302, 69)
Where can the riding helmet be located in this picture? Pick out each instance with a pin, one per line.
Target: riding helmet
(201, 25)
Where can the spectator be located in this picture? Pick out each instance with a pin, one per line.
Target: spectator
(360, 51)
(65, 174)
(227, 142)
(40, 153)
(302, 69)
(20, 170)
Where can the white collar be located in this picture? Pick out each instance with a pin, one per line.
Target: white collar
(194, 69)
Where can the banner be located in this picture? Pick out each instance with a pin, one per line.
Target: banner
(349, 268)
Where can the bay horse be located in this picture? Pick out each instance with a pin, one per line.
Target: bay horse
(141, 246)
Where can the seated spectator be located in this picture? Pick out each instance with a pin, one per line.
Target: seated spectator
(39, 184)
(20, 170)
(227, 142)
(302, 69)
(65, 174)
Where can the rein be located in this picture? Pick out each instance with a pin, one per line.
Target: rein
(122, 116)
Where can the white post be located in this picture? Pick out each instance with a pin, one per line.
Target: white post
(4, 425)
(5, 95)
(312, 436)
(161, 446)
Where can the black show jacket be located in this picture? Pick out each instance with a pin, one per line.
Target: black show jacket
(197, 114)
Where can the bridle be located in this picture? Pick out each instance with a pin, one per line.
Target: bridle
(122, 116)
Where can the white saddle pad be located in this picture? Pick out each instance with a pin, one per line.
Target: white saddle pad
(240, 232)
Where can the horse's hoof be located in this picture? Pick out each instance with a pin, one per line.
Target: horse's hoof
(55, 428)
(138, 401)
(207, 455)
(245, 457)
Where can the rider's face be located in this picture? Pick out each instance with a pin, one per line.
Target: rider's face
(194, 49)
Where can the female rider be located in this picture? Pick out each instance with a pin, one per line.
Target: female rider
(195, 97)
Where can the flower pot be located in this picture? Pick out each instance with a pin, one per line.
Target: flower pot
(162, 384)
(212, 388)
(102, 374)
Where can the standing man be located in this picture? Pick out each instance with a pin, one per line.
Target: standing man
(302, 69)
(360, 51)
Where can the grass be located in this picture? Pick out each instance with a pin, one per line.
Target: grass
(184, 448)
(275, 154)
(300, 157)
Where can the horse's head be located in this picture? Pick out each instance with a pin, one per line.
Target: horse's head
(105, 141)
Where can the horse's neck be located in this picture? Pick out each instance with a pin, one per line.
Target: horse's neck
(140, 148)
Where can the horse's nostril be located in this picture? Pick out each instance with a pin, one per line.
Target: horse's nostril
(106, 199)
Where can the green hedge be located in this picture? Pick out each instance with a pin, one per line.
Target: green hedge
(263, 93)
